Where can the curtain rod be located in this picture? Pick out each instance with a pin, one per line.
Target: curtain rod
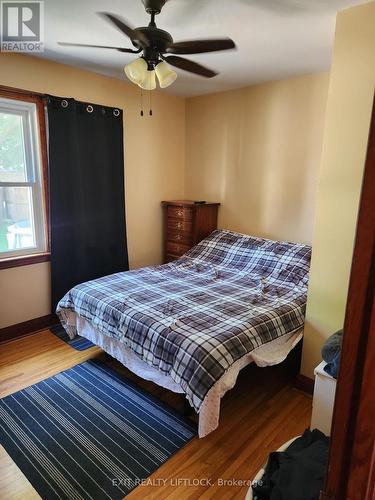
(29, 93)
(14, 90)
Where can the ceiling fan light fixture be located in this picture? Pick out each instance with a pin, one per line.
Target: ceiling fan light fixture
(165, 74)
(154, 43)
(136, 70)
(149, 81)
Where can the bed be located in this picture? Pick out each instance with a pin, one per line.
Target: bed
(191, 325)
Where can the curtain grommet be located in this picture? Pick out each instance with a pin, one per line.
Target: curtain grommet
(116, 112)
(89, 108)
(64, 103)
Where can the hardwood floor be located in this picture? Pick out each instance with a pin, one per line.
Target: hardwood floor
(258, 415)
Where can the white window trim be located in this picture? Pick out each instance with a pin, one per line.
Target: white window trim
(34, 172)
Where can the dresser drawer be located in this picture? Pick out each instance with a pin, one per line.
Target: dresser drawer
(179, 225)
(176, 249)
(179, 237)
(180, 213)
(186, 223)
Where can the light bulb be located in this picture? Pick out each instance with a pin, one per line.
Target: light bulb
(136, 70)
(149, 81)
(165, 74)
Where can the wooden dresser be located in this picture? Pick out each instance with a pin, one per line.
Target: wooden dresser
(185, 224)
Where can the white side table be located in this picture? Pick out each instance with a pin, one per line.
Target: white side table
(323, 400)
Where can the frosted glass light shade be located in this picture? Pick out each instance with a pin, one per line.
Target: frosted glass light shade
(136, 71)
(165, 74)
(149, 82)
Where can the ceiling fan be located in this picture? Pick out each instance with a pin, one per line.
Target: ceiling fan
(155, 45)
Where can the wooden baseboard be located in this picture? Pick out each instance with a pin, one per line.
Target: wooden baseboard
(27, 327)
(305, 384)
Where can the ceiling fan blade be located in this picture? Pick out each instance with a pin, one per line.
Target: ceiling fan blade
(191, 66)
(120, 49)
(200, 46)
(134, 34)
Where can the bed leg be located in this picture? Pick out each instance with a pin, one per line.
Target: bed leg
(188, 410)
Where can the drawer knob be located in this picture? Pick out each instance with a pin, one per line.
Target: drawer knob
(178, 237)
(179, 225)
(180, 213)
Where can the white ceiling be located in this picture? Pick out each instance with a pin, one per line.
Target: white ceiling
(275, 38)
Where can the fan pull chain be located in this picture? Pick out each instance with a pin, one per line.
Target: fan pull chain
(142, 102)
(150, 102)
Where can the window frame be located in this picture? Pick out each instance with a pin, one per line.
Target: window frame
(35, 103)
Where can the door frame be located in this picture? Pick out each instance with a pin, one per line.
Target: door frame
(351, 464)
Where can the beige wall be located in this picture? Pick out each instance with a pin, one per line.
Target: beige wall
(24, 293)
(154, 169)
(349, 104)
(257, 150)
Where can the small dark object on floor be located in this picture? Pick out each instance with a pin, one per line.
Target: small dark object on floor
(297, 473)
(188, 410)
(78, 343)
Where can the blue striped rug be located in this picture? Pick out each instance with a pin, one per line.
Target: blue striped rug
(88, 433)
(79, 343)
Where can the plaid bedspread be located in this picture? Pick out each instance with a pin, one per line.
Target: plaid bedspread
(193, 318)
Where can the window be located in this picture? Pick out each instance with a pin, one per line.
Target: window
(22, 209)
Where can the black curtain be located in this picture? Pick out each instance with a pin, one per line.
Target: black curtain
(87, 201)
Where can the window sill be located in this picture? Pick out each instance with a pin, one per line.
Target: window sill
(24, 261)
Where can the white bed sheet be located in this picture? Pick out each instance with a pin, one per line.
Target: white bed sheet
(267, 355)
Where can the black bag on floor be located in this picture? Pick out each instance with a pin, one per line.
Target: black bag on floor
(297, 473)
